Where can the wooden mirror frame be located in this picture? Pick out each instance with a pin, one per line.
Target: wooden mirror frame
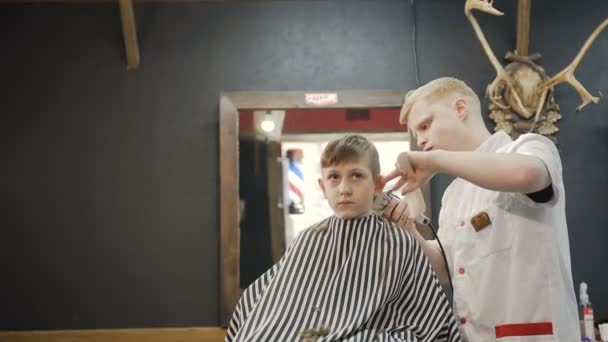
(230, 105)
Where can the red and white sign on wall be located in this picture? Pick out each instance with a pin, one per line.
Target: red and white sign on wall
(321, 99)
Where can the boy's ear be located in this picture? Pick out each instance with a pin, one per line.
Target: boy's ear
(461, 108)
(379, 184)
(321, 185)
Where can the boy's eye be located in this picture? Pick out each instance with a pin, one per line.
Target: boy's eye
(332, 177)
(357, 175)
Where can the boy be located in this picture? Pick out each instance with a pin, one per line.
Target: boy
(502, 221)
(351, 277)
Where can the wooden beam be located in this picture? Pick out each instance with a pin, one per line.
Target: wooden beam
(230, 247)
(194, 334)
(129, 33)
(295, 99)
(523, 27)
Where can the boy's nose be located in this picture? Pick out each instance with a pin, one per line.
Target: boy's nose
(345, 188)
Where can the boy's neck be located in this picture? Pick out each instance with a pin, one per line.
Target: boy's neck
(355, 218)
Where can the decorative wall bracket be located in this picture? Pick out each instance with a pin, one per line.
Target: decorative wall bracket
(521, 96)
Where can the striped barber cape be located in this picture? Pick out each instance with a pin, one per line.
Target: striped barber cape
(362, 279)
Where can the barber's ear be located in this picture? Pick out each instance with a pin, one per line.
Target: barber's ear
(321, 185)
(461, 108)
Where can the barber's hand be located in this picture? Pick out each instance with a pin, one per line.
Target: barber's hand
(414, 170)
(396, 211)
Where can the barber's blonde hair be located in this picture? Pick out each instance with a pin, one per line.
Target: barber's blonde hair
(349, 148)
(433, 91)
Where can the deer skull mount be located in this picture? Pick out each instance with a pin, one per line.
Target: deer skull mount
(521, 96)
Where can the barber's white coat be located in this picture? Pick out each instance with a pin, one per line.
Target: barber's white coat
(513, 278)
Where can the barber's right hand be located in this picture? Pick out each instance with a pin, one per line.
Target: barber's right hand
(396, 211)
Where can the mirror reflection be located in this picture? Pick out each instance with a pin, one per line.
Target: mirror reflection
(279, 154)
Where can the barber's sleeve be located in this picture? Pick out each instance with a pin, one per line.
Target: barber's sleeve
(541, 147)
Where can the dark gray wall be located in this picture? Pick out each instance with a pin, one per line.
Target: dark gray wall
(110, 182)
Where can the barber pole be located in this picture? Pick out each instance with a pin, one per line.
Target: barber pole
(295, 178)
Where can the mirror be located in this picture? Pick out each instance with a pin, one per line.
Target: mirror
(270, 148)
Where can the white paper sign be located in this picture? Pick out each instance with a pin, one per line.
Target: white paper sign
(321, 99)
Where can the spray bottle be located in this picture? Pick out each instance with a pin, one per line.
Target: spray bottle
(586, 314)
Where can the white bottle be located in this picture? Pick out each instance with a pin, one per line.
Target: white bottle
(586, 313)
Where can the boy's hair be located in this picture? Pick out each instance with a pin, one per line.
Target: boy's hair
(433, 91)
(348, 148)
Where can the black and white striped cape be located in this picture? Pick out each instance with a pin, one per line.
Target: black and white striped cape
(360, 279)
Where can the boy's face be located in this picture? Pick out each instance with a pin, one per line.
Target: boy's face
(350, 187)
(438, 125)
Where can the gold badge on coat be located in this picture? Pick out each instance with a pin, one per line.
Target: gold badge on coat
(480, 221)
